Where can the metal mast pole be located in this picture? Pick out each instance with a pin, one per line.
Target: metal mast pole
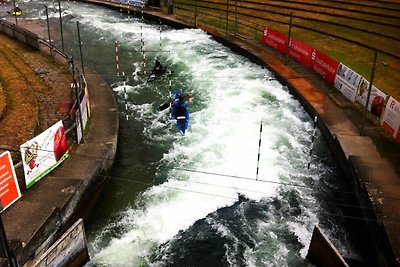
(61, 28)
(15, 14)
(369, 92)
(288, 41)
(4, 243)
(80, 47)
(48, 30)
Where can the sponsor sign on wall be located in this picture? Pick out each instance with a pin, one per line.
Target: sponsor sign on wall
(376, 99)
(9, 188)
(84, 109)
(300, 51)
(347, 81)
(324, 65)
(391, 118)
(87, 100)
(275, 39)
(43, 153)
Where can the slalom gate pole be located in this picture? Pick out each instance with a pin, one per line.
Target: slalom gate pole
(142, 45)
(125, 97)
(142, 50)
(259, 148)
(170, 87)
(170, 96)
(312, 141)
(160, 38)
(116, 57)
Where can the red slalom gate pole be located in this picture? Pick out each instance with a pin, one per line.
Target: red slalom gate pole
(116, 57)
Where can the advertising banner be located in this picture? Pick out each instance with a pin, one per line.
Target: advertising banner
(347, 81)
(84, 109)
(275, 39)
(391, 118)
(9, 188)
(300, 51)
(43, 153)
(376, 99)
(324, 65)
(87, 100)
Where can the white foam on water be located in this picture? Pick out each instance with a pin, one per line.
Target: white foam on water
(217, 158)
(220, 149)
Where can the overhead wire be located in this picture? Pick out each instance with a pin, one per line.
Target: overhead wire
(280, 183)
(235, 198)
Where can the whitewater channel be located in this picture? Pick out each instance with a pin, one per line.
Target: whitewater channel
(197, 200)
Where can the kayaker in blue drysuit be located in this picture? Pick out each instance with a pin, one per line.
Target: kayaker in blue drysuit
(179, 106)
(179, 111)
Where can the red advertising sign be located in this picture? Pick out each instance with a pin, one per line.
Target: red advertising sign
(324, 65)
(300, 51)
(9, 189)
(275, 39)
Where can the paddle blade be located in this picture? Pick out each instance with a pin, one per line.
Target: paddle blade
(163, 106)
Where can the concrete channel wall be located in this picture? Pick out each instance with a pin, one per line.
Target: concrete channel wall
(20, 34)
(322, 252)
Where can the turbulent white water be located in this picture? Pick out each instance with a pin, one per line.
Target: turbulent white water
(231, 98)
(198, 175)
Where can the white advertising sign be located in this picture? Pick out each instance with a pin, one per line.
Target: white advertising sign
(43, 153)
(84, 109)
(376, 99)
(391, 118)
(347, 81)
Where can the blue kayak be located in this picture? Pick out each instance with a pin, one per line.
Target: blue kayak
(180, 113)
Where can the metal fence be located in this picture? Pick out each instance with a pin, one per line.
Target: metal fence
(33, 40)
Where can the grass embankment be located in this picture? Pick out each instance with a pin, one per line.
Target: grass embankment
(21, 116)
(349, 31)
